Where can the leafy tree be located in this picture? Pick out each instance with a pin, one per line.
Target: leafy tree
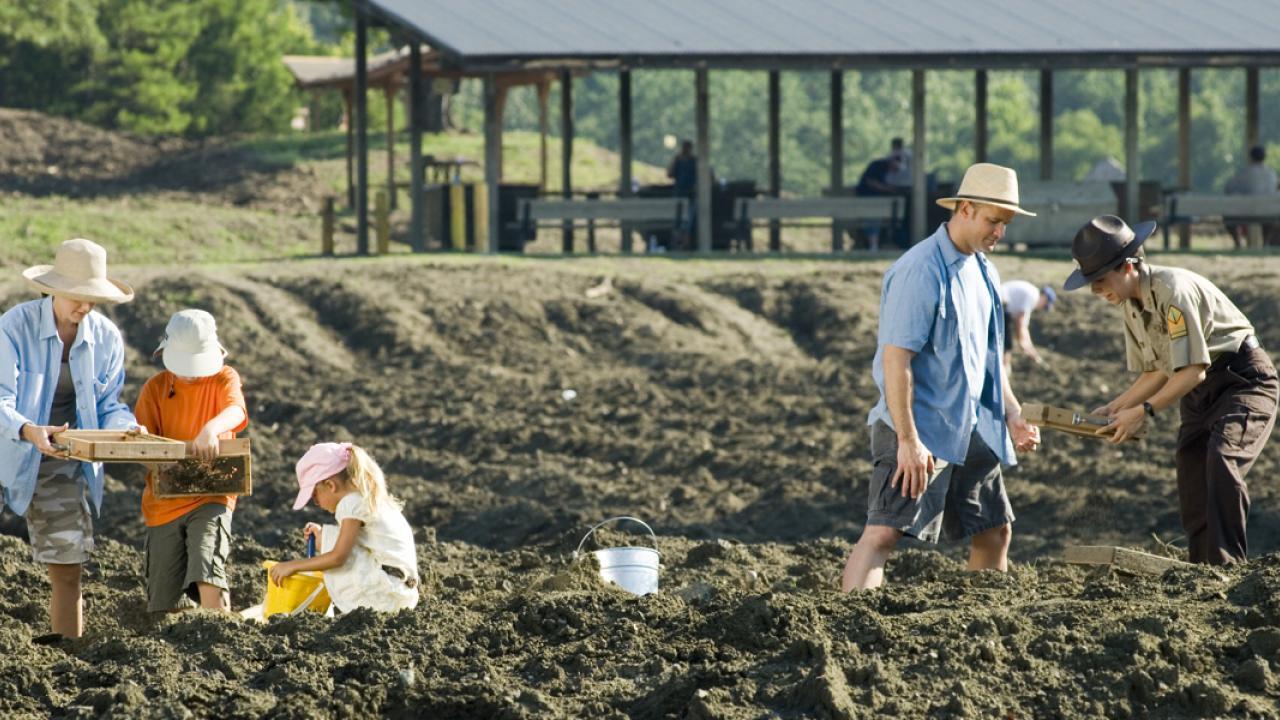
(139, 85)
(44, 46)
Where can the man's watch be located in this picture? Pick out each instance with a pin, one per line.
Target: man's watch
(1149, 409)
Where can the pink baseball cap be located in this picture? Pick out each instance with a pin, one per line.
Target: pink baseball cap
(321, 462)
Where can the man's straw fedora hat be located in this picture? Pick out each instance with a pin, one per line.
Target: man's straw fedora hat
(78, 272)
(989, 185)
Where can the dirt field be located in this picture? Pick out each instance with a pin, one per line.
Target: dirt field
(723, 402)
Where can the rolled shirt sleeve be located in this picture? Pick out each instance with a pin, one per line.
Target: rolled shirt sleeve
(907, 312)
(11, 420)
(1185, 321)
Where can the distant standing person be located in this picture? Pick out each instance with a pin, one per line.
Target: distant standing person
(1253, 179)
(1020, 298)
(1193, 347)
(947, 418)
(683, 171)
(61, 366)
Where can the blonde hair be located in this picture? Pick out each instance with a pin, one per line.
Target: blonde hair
(363, 474)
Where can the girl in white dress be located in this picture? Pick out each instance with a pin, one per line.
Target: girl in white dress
(368, 557)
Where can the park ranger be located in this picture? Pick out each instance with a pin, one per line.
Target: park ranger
(1193, 347)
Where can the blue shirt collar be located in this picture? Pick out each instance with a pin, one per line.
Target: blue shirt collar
(49, 327)
(951, 255)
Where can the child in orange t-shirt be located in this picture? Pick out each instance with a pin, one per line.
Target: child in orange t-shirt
(197, 399)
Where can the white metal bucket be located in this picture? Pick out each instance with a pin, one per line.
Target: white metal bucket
(634, 569)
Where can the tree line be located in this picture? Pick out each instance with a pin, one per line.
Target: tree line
(204, 68)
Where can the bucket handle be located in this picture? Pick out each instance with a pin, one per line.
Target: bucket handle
(310, 599)
(595, 527)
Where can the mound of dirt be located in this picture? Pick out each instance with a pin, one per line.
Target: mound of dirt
(45, 155)
(727, 408)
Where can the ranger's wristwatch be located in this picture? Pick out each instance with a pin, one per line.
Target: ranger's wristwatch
(1149, 409)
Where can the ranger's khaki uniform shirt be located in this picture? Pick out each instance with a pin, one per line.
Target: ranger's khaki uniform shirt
(1180, 319)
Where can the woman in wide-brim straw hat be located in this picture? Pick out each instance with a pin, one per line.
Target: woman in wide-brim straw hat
(61, 366)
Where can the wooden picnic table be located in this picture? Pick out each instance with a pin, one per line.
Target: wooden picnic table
(444, 170)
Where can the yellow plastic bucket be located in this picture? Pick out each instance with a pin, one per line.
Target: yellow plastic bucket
(300, 591)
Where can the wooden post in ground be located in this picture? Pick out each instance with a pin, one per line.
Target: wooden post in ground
(566, 154)
(326, 227)
(837, 152)
(1184, 147)
(544, 93)
(775, 154)
(390, 94)
(382, 222)
(349, 119)
(980, 116)
(624, 152)
(417, 99)
(485, 197)
(702, 118)
(1132, 166)
(1046, 124)
(919, 159)
(362, 131)
(1253, 231)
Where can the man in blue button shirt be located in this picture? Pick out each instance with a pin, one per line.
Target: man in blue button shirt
(946, 419)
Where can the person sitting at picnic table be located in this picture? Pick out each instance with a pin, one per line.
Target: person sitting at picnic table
(899, 177)
(874, 182)
(1253, 179)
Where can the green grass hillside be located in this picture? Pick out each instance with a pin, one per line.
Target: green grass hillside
(257, 198)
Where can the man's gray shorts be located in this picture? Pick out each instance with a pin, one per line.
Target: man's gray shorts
(191, 549)
(960, 500)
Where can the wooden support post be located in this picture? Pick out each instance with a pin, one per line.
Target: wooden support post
(544, 92)
(1132, 166)
(326, 227)
(492, 167)
(417, 101)
(458, 216)
(1253, 231)
(348, 119)
(382, 221)
(702, 116)
(837, 152)
(919, 194)
(1046, 124)
(362, 131)
(390, 94)
(1184, 148)
(775, 154)
(1251, 110)
(566, 153)
(624, 148)
(980, 116)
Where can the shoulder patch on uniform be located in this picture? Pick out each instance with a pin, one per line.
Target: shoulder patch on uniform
(1176, 322)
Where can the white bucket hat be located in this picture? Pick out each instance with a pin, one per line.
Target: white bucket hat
(78, 272)
(988, 184)
(190, 346)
